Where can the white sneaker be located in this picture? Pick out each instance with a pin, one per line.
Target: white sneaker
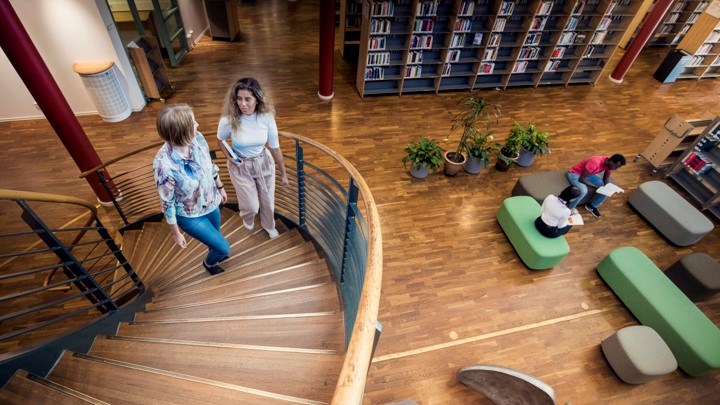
(273, 233)
(574, 211)
(249, 227)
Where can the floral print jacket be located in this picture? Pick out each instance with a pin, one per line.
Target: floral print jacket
(186, 186)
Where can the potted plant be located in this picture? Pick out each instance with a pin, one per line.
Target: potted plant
(424, 155)
(510, 150)
(534, 143)
(479, 148)
(477, 110)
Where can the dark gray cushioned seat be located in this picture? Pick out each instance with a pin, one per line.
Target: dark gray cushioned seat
(541, 184)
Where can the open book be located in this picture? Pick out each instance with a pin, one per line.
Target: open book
(609, 189)
(575, 219)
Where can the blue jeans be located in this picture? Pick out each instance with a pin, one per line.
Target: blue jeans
(206, 229)
(574, 179)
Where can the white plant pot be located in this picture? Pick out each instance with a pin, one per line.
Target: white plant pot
(473, 165)
(525, 159)
(419, 172)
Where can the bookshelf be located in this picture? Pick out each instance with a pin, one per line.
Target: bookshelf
(349, 28)
(703, 42)
(677, 22)
(696, 170)
(440, 45)
(150, 68)
(676, 136)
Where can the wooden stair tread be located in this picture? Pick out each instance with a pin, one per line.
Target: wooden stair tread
(137, 261)
(120, 383)
(23, 390)
(303, 331)
(320, 298)
(305, 375)
(288, 257)
(315, 272)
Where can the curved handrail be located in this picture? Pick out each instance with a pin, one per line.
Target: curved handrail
(45, 197)
(351, 383)
(119, 158)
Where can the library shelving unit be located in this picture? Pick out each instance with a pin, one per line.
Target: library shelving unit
(676, 136)
(677, 22)
(148, 62)
(349, 28)
(438, 45)
(696, 170)
(703, 42)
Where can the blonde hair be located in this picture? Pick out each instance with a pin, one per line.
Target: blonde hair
(176, 124)
(231, 109)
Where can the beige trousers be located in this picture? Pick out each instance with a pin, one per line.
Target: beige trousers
(254, 183)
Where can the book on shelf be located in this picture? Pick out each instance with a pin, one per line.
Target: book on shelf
(588, 51)
(704, 49)
(685, 29)
(467, 7)
(486, 68)
(538, 23)
(572, 23)
(578, 8)
(693, 18)
(701, 7)
(374, 73)
(453, 56)
(558, 52)
(378, 58)
(421, 41)
(665, 29)
(463, 25)
(520, 66)
(697, 162)
(544, 8)
(457, 41)
(477, 39)
(490, 54)
(499, 25)
(552, 65)
(679, 7)
(714, 36)
(427, 8)
(568, 38)
(446, 69)
(611, 8)
(533, 38)
(604, 23)
(529, 52)
(378, 26)
(415, 57)
(696, 61)
(598, 38)
(423, 25)
(716, 62)
(673, 18)
(383, 9)
(507, 7)
(495, 40)
(376, 43)
(413, 72)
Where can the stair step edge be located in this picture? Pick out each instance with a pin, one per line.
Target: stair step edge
(65, 390)
(225, 345)
(200, 380)
(236, 318)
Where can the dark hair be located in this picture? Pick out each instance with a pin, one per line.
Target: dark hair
(569, 193)
(618, 158)
(176, 124)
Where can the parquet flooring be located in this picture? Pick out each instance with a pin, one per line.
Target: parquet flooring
(454, 292)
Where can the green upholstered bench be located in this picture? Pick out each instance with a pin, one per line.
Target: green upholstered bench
(517, 218)
(658, 303)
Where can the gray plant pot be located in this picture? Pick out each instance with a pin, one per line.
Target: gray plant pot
(473, 165)
(526, 158)
(419, 172)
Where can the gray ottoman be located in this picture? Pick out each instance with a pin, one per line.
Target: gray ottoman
(670, 214)
(697, 275)
(638, 354)
(541, 184)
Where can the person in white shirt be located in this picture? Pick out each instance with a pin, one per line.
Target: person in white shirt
(554, 214)
(248, 120)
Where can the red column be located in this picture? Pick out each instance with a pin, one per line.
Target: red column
(642, 37)
(327, 48)
(31, 68)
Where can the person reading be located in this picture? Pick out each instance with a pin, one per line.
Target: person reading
(586, 173)
(555, 216)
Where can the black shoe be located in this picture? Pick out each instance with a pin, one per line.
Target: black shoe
(213, 269)
(593, 210)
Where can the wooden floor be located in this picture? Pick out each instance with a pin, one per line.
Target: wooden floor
(454, 291)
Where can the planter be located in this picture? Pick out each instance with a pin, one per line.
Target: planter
(526, 158)
(454, 162)
(503, 164)
(474, 165)
(419, 172)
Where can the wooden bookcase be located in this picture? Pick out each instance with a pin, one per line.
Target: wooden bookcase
(437, 45)
(149, 66)
(675, 137)
(703, 42)
(349, 28)
(701, 181)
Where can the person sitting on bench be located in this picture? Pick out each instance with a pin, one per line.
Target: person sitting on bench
(554, 214)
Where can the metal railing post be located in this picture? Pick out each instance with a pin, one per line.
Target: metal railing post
(119, 255)
(110, 192)
(85, 282)
(301, 186)
(349, 226)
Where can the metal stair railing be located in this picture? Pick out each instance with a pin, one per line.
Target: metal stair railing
(342, 220)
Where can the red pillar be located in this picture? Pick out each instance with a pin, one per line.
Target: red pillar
(327, 48)
(642, 37)
(31, 68)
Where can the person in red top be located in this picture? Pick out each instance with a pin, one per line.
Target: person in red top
(586, 173)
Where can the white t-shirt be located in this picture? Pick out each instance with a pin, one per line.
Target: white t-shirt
(554, 212)
(255, 131)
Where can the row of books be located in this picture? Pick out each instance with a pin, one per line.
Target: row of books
(486, 68)
(458, 40)
(421, 25)
(572, 23)
(558, 52)
(588, 51)
(427, 8)
(696, 60)
(415, 57)
(380, 26)
(569, 38)
(611, 8)
(604, 23)
(376, 43)
(453, 56)
(698, 163)
(552, 65)
(507, 7)
(499, 25)
(714, 36)
(520, 66)
(598, 38)
(463, 24)
(378, 58)
(578, 8)
(490, 54)
(374, 73)
(421, 41)
(544, 8)
(529, 52)
(538, 23)
(383, 9)
(446, 69)
(413, 71)
(704, 49)
(467, 7)
(533, 38)
(673, 18)
(678, 8)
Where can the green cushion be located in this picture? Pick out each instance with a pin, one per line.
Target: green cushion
(517, 218)
(656, 302)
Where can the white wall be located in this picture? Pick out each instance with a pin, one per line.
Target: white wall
(64, 32)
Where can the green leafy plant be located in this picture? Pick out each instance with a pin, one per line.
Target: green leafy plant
(481, 146)
(534, 141)
(425, 153)
(511, 147)
(477, 110)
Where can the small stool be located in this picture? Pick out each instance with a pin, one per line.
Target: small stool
(697, 275)
(638, 354)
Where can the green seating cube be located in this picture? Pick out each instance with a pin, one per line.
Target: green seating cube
(658, 303)
(517, 219)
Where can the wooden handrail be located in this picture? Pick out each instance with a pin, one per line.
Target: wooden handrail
(353, 375)
(45, 197)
